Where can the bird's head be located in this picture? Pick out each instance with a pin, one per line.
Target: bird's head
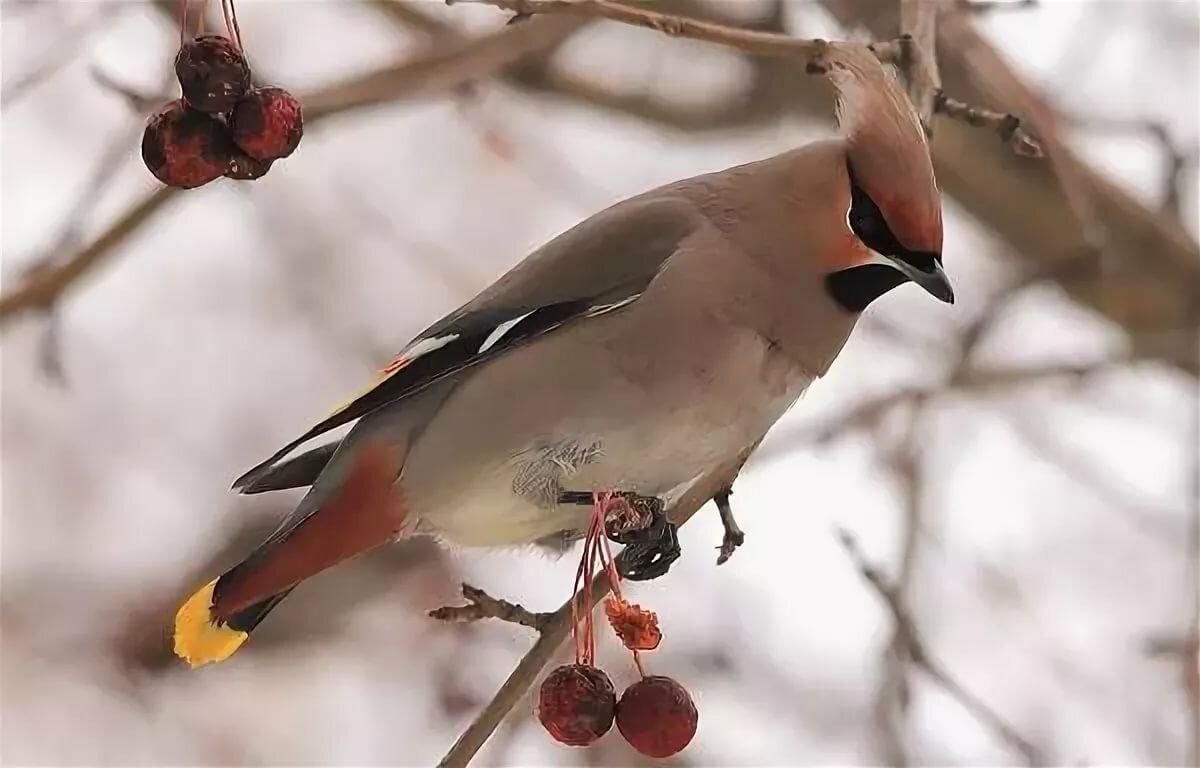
(893, 210)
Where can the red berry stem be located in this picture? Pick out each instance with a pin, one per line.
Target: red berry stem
(183, 8)
(233, 32)
(604, 501)
(237, 29)
(597, 555)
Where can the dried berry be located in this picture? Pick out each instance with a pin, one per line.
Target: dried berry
(656, 716)
(185, 148)
(245, 168)
(637, 628)
(212, 72)
(576, 704)
(268, 123)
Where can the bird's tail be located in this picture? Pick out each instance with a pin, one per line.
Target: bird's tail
(365, 511)
(201, 638)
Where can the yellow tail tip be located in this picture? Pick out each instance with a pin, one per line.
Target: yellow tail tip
(199, 639)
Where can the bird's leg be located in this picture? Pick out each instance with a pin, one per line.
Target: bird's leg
(640, 523)
(734, 537)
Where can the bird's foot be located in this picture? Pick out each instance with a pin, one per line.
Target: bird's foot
(734, 536)
(643, 561)
(640, 523)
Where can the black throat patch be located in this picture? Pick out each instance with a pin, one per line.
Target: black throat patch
(855, 288)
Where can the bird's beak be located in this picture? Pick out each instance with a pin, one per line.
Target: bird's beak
(933, 279)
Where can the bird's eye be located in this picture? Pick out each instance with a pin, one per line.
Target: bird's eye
(867, 223)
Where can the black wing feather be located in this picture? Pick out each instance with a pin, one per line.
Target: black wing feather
(431, 367)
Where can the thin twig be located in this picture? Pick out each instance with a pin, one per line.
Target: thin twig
(913, 51)
(1192, 558)
(1175, 158)
(973, 380)
(987, 6)
(1100, 483)
(63, 47)
(41, 287)
(1069, 266)
(484, 606)
(751, 41)
(920, 657)
(1006, 125)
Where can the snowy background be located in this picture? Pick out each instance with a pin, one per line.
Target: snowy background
(1052, 538)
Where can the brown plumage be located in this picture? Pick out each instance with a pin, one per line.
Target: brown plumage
(887, 146)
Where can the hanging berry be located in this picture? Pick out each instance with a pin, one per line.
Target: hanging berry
(657, 716)
(185, 148)
(222, 126)
(213, 73)
(576, 704)
(267, 124)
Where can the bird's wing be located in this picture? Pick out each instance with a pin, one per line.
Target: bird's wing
(598, 266)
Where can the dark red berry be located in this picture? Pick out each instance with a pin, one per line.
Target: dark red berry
(576, 704)
(656, 716)
(185, 148)
(245, 168)
(212, 72)
(268, 123)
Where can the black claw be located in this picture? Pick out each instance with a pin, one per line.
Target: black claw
(645, 507)
(648, 560)
(649, 550)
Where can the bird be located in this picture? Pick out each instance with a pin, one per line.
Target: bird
(652, 341)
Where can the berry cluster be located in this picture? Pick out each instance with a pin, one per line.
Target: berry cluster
(577, 703)
(223, 125)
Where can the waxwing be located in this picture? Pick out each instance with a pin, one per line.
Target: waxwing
(649, 343)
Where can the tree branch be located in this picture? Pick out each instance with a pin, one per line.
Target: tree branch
(919, 655)
(918, 27)
(751, 41)
(1006, 125)
(484, 606)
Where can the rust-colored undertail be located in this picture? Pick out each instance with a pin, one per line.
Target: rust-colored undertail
(365, 512)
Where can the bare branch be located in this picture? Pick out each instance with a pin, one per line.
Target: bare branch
(64, 47)
(920, 657)
(43, 285)
(484, 606)
(918, 46)
(1176, 158)
(1006, 125)
(971, 380)
(748, 40)
(913, 52)
(987, 6)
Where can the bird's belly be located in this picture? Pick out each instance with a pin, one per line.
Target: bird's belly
(488, 468)
(512, 499)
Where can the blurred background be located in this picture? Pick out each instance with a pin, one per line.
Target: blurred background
(1018, 471)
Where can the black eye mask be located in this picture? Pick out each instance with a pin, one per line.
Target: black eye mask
(855, 288)
(866, 221)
